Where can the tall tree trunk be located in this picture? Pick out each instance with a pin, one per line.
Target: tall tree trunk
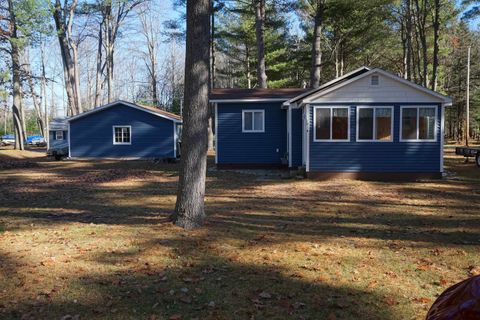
(421, 16)
(18, 121)
(436, 29)
(316, 70)
(99, 70)
(247, 67)
(189, 210)
(71, 87)
(260, 37)
(36, 103)
(109, 49)
(408, 27)
(44, 91)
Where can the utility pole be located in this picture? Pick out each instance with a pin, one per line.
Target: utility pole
(468, 98)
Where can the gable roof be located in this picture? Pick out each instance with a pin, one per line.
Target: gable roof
(252, 95)
(352, 77)
(152, 110)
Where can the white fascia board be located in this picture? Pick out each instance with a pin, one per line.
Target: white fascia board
(246, 100)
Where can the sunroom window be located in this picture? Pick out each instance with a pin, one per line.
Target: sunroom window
(331, 123)
(375, 124)
(418, 123)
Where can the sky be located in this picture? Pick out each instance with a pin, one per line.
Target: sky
(130, 39)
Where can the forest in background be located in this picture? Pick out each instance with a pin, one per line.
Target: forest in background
(64, 57)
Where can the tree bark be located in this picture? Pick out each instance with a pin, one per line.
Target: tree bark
(44, 91)
(408, 27)
(260, 38)
(421, 16)
(189, 210)
(316, 71)
(63, 26)
(36, 104)
(247, 66)
(99, 71)
(436, 29)
(18, 122)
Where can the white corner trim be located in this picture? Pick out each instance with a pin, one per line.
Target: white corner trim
(374, 140)
(175, 138)
(129, 131)
(331, 122)
(435, 132)
(68, 134)
(307, 120)
(262, 111)
(442, 136)
(289, 130)
(216, 134)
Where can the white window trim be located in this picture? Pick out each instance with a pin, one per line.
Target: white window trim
(374, 124)
(57, 134)
(253, 111)
(129, 131)
(435, 132)
(331, 127)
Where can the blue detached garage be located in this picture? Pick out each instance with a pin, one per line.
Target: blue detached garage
(367, 124)
(124, 130)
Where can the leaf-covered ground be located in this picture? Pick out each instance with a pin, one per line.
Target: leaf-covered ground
(91, 240)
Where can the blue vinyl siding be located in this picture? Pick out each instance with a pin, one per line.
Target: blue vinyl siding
(370, 157)
(53, 142)
(151, 136)
(297, 132)
(236, 147)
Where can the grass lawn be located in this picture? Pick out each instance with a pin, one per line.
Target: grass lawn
(91, 240)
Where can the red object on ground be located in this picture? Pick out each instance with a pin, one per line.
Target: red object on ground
(459, 302)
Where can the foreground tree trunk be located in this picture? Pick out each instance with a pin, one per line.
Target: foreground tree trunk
(316, 71)
(189, 210)
(260, 35)
(16, 80)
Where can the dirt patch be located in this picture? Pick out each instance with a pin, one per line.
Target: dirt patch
(16, 164)
(111, 175)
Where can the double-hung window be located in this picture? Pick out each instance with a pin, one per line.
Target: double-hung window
(59, 135)
(418, 123)
(375, 124)
(122, 135)
(253, 121)
(331, 124)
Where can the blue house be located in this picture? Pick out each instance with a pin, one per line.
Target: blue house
(366, 124)
(58, 133)
(124, 130)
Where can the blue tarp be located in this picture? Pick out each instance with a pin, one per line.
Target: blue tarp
(34, 137)
(8, 137)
